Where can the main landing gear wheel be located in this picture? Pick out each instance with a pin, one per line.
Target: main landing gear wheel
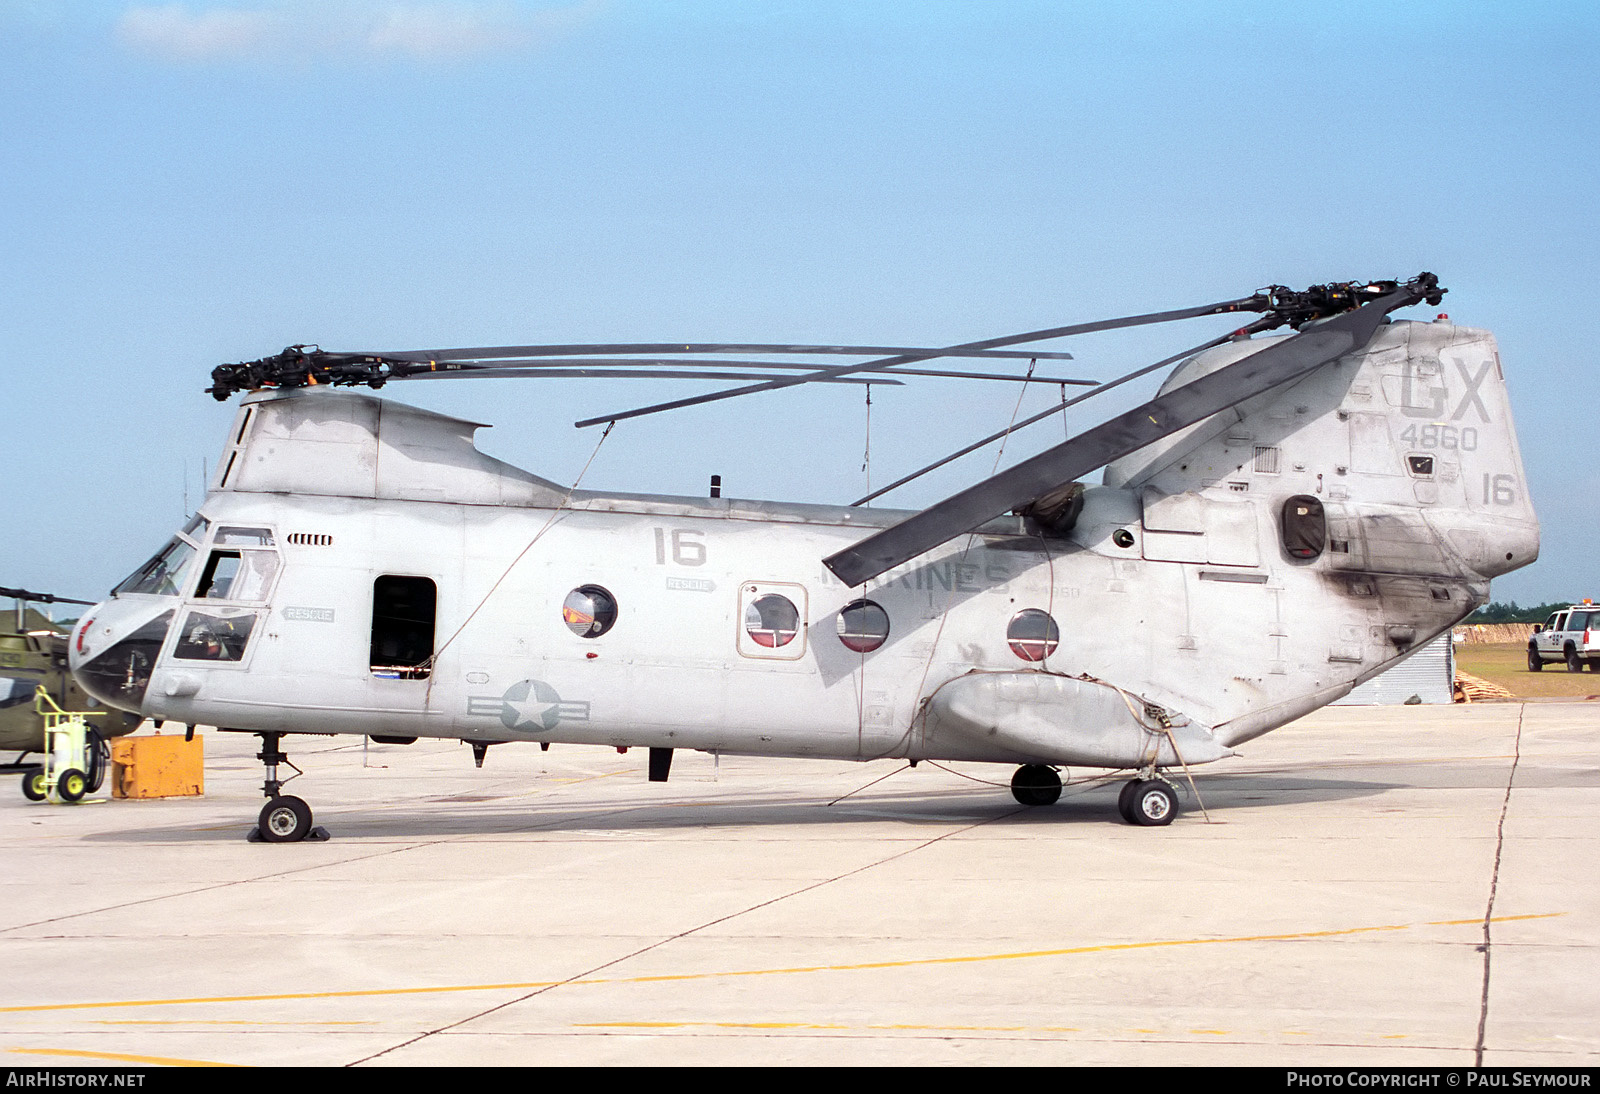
(1125, 800)
(284, 820)
(33, 786)
(1035, 784)
(1149, 803)
(1535, 662)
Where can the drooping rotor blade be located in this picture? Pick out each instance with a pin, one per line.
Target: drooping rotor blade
(41, 598)
(305, 365)
(490, 372)
(1043, 414)
(551, 366)
(308, 366)
(1180, 408)
(492, 353)
(1257, 302)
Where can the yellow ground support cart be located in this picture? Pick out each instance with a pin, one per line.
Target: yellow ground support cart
(74, 753)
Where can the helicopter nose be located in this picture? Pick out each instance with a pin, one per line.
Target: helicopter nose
(114, 649)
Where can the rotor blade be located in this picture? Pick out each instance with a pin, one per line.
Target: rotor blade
(1253, 303)
(1178, 409)
(490, 372)
(42, 598)
(487, 353)
(536, 365)
(1043, 414)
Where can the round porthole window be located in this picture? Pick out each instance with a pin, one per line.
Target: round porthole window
(863, 626)
(1033, 635)
(589, 611)
(771, 620)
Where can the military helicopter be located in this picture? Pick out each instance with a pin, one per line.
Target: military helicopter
(33, 651)
(1289, 516)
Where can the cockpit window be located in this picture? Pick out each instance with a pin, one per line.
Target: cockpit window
(163, 574)
(196, 528)
(219, 634)
(244, 537)
(237, 575)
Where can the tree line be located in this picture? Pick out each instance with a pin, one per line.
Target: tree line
(1510, 612)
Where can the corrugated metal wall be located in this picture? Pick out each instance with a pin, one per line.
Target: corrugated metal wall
(1429, 674)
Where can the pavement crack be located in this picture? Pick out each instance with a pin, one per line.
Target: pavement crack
(585, 974)
(252, 880)
(1494, 884)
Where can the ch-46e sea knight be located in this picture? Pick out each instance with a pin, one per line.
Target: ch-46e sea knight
(1289, 516)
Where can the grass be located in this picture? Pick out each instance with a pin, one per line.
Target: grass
(1506, 664)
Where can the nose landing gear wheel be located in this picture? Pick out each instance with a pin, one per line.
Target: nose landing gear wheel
(284, 820)
(1035, 784)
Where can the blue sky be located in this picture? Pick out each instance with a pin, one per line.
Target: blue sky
(187, 184)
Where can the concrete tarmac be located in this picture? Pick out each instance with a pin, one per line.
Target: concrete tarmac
(1407, 886)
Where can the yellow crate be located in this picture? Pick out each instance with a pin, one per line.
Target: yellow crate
(157, 767)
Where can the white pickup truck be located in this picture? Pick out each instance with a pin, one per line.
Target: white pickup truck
(1571, 635)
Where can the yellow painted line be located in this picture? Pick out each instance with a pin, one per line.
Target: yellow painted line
(667, 978)
(281, 996)
(906, 1027)
(708, 1025)
(1496, 919)
(813, 1025)
(120, 1057)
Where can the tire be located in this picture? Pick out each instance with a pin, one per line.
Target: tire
(284, 820)
(1125, 799)
(1574, 662)
(71, 785)
(1035, 784)
(1154, 804)
(1535, 662)
(33, 786)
